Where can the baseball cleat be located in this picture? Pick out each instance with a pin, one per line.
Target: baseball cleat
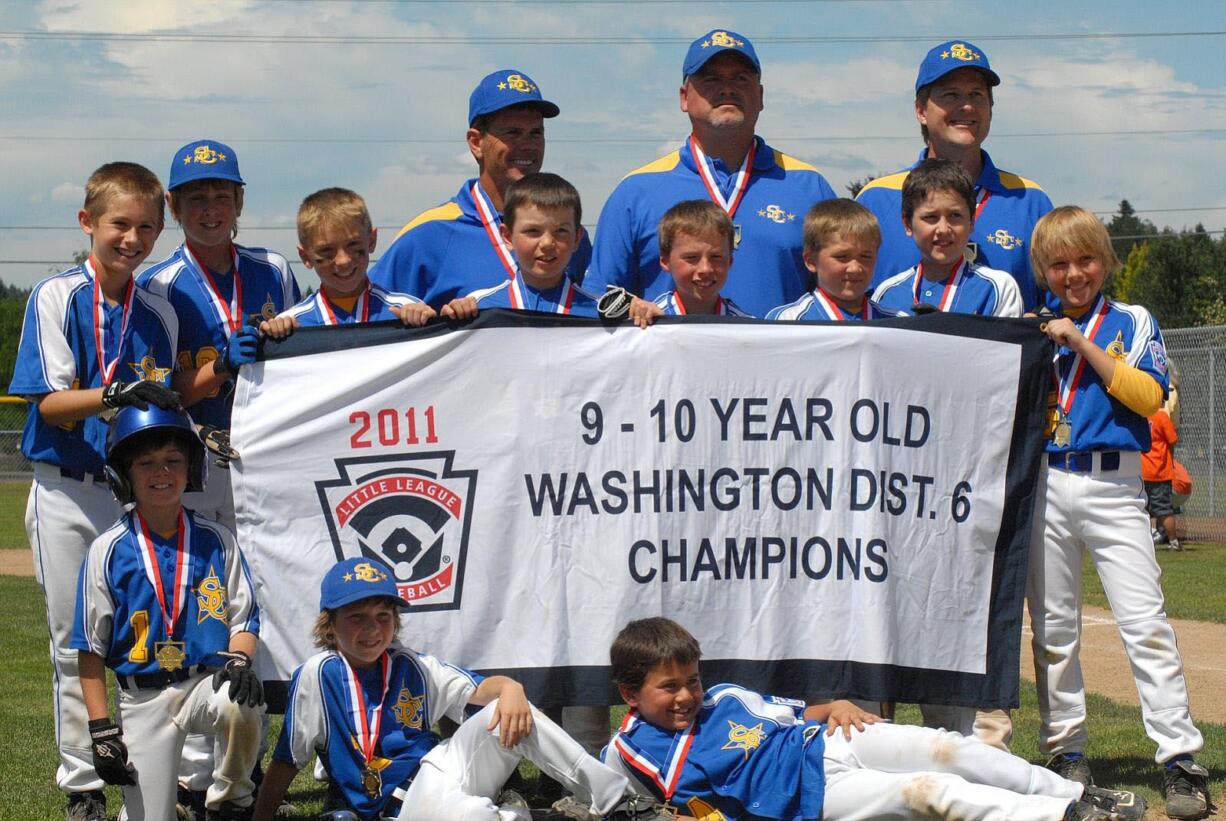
(1119, 805)
(1185, 787)
(1072, 766)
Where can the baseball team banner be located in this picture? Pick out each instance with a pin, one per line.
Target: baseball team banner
(833, 509)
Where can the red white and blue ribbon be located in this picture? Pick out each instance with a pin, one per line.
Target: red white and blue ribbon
(230, 316)
(740, 184)
(665, 779)
(679, 306)
(361, 311)
(951, 284)
(565, 299)
(366, 722)
(1069, 382)
(490, 221)
(832, 309)
(149, 563)
(105, 368)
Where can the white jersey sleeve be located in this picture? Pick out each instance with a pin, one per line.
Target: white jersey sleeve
(450, 688)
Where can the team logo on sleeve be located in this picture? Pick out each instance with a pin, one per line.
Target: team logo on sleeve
(744, 738)
(408, 514)
(408, 709)
(1116, 348)
(211, 599)
(1157, 352)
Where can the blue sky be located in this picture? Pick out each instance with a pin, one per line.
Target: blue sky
(388, 118)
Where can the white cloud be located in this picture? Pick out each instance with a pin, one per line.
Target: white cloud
(68, 193)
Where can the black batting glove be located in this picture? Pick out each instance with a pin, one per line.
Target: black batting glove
(140, 395)
(217, 441)
(240, 350)
(110, 753)
(245, 687)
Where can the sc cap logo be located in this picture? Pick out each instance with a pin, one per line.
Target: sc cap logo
(959, 51)
(205, 155)
(516, 82)
(724, 40)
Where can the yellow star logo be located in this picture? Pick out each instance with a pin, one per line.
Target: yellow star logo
(761, 212)
(791, 216)
(706, 43)
(944, 55)
(348, 577)
(502, 86)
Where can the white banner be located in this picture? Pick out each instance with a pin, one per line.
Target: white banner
(813, 501)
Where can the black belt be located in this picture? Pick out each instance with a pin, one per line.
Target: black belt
(159, 681)
(1083, 461)
(81, 475)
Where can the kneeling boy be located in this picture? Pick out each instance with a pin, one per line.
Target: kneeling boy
(165, 600)
(365, 705)
(732, 751)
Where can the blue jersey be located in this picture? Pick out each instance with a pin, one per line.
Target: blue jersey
(1098, 421)
(374, 305)
(564, 298)
(816, 306)
(320, 718)
(267, 288)
(969, 289)
(59, 351)
(119, 615)
(1001, 236)
(447, 252)
(767, 268)
(672, 304)
(746, 756)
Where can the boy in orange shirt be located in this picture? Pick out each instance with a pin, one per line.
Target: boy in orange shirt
(1157, 471)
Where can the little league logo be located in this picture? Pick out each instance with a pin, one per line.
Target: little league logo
(410, 513)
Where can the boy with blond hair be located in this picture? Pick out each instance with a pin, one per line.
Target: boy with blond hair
(696, 239)
(841, 242)
(91, 342)
(1110, 375)
(336, 239)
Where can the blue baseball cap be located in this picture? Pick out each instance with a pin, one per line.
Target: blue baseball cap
(951, 56)
(715, 42)
(356, 579)
(204, 160)
(504, 88)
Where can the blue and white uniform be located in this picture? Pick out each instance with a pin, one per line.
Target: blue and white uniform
(969, 289)
(564, 298)
(817, 306)
(455, 249)
(210, 306)
(373, 305)
(70, 337)
(672, 304)
(1011, 205)
(1090, 499)
(208, 594)
(335, 710)
(749, 756)
(767, 201)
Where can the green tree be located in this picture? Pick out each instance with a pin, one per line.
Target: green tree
(1130, 228)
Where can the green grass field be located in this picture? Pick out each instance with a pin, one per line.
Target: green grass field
(1121, 753)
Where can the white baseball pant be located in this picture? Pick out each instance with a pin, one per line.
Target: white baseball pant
(63, 516)
(1102, 512)
(459, 778)
(892, 771)
(155, 723)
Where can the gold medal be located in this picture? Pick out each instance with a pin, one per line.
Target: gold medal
(372, 782)
(1063, 433)
(170, 655)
